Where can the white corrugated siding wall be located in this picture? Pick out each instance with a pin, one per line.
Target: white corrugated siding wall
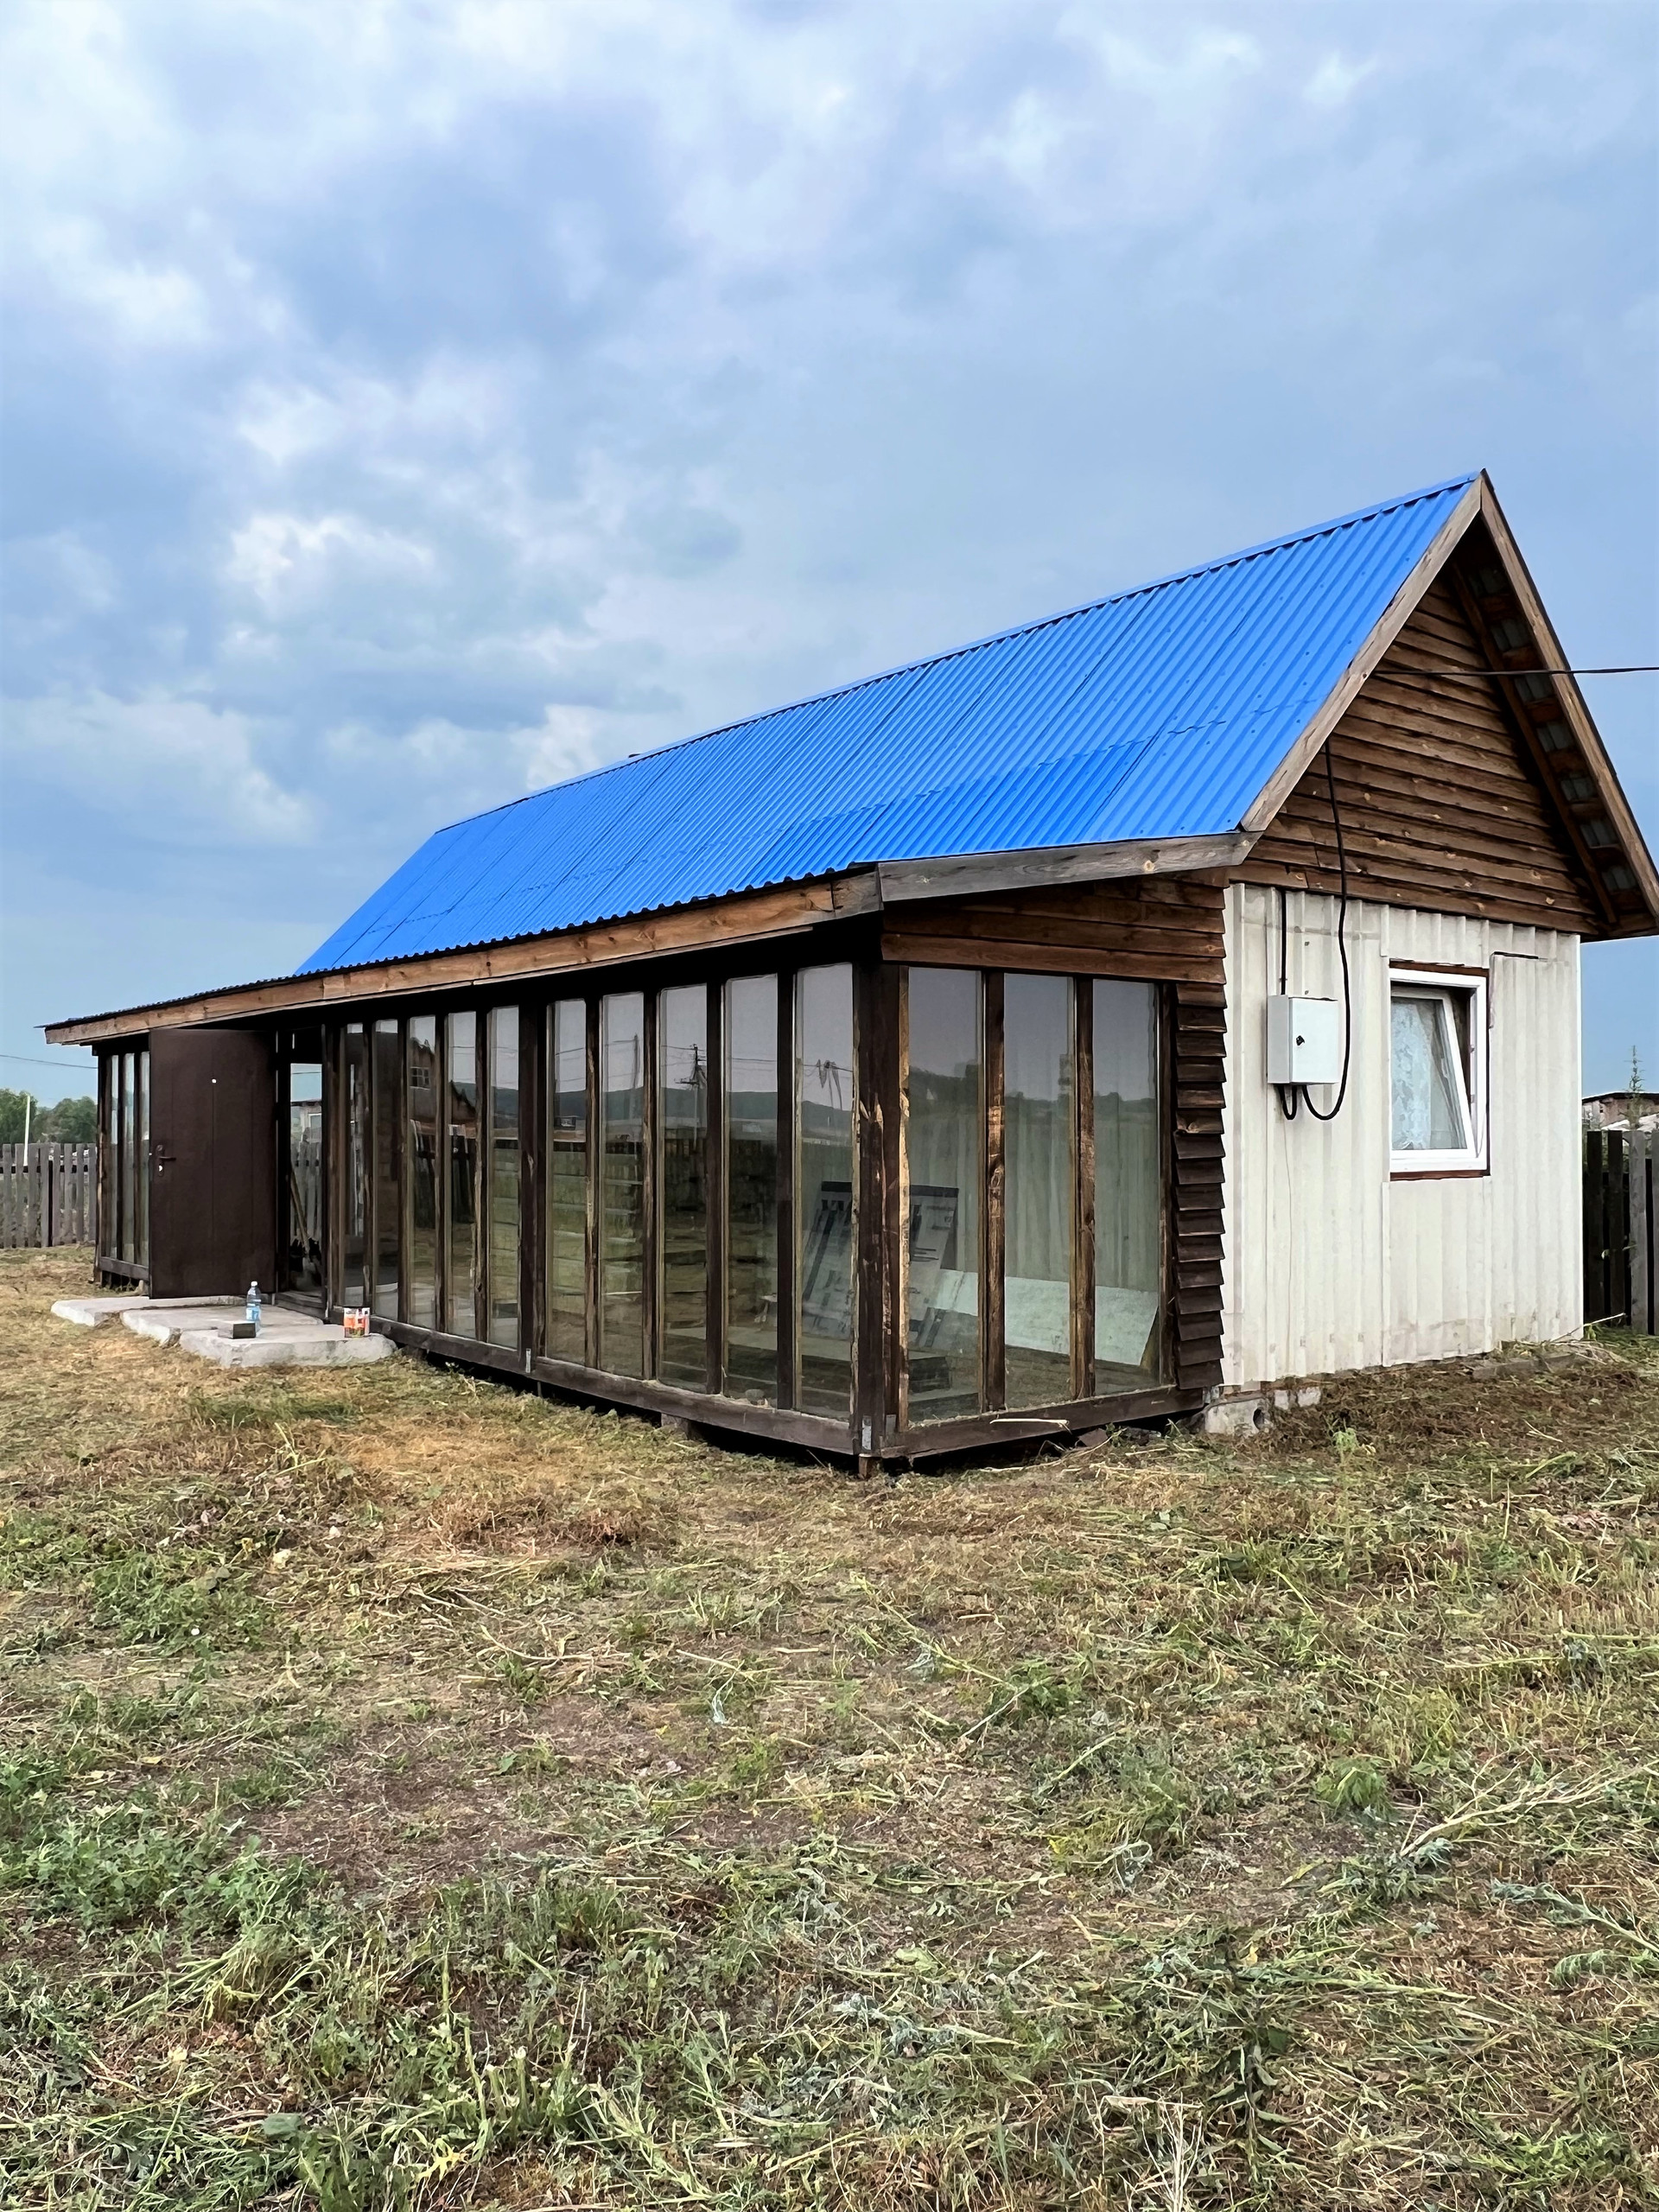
(1328, 1264)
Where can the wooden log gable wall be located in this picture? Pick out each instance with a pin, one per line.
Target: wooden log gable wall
(1459, 788)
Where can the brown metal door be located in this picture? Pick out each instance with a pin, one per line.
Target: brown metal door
(212, 1163)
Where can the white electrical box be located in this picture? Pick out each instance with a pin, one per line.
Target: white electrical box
(1304, 1040)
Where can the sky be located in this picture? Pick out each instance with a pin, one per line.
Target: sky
(409, 405)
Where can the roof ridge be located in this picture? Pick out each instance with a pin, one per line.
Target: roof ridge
(977, 644)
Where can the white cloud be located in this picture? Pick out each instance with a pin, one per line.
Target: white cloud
(1336, 80)
(285, 560)
(425, 401)
(170, 768)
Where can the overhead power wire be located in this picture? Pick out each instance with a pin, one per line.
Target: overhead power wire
(1480, 675)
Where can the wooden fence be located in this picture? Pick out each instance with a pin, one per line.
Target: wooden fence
(1619, 1228)
(48, 1194)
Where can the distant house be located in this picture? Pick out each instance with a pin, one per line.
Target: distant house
(1169, 999)
(1604, 1108)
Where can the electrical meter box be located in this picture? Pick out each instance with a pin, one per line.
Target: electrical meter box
(1304, 1040)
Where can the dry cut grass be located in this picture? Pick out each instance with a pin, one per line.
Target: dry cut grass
(415, 1793)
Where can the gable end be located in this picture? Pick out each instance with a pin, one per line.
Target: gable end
(1441, 801)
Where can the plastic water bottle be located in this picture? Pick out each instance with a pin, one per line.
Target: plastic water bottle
(253, 1305)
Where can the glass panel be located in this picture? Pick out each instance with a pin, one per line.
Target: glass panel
(354, 1202)
(423, 1171)
(388, 1089)
(567, 1183)
(682, 1120)
(1129, 1194)
(945, 1157)
(1427, 1078)
(304, 1268)
(504, 1175)
(824, 1185)
(129, 1157)
(1039, 1122)
(460, 1247)
(141, 1167)
(622, 1193)
(751, 1362)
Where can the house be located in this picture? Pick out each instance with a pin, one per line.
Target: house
(1134, 1009)
(1618, 1110)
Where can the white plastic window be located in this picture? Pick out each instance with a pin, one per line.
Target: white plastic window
(1437, 1040)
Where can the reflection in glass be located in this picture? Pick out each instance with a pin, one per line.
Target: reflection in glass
(304, 1270)
(751, 1094)
(824, 1185)
(1039, 1122)
(1128, 1195)
(567, 1182)
(141, 1168)
(355, 1198)
(129, 1123)
(945, 1165)
(460, 1247)
(423, 1171)
(387, 1069)
(622, 1190)
(683, 1120)
(504, 1176)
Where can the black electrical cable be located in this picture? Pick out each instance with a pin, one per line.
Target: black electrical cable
(1342, 954)
(1287, 1105)
(1480, 675)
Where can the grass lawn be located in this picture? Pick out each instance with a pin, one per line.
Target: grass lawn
(415, 1792)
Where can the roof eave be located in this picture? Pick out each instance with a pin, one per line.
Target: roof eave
(749, 917)
(1578, 718)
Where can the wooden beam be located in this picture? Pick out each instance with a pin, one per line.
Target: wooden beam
(961, 875)
(993, 1228)
(749, 918)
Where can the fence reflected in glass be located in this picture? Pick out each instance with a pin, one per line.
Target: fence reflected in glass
(386, 1072)
(566, 1181)
(751, 1164)
(682, 1238)
(423, 1156)
(504, 1204)
(944, 1147)
(823, 1188)
(622, 1192)
(303, 1269)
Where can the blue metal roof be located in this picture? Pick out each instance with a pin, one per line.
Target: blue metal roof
(1160, 712)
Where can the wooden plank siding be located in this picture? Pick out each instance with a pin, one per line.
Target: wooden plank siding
(1170, 930)
(1441, 804)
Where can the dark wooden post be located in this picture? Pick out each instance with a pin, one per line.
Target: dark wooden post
(788, 1376)
(993, 1226)
(879, 1318)
(1082, 1233)
(532, 1127)
(650, 1241)
(596, 1183)
(715, 1285)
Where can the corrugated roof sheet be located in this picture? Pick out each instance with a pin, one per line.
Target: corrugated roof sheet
(1160, 712)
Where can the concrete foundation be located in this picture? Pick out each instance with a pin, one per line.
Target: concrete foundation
(202, 1325)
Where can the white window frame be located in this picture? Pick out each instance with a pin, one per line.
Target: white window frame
(1437, 983)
